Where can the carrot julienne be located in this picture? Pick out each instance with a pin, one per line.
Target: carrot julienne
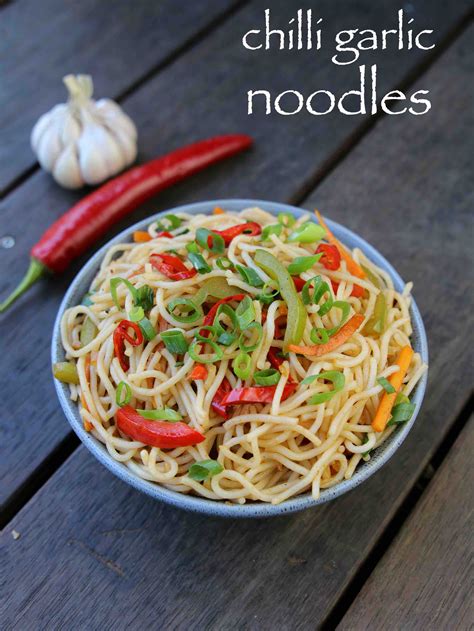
(344, 333)
(140, 236)
(387, 402)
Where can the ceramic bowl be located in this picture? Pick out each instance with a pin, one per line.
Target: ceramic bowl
(79, 287)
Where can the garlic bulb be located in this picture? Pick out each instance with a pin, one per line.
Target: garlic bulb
(84, 141)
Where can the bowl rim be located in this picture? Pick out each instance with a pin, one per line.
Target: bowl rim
(214, 507)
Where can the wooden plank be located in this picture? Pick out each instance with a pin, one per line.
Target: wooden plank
(425, 579)
(176, 108)
(144, 561)
(118, 44)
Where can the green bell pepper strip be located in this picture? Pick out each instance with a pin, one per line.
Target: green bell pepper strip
(217, 287)
(376, 324)
(296, 320)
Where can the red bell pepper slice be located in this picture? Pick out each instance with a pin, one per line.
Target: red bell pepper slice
(161, 434)
(171, 266)
(256, 394)
(251, 228)
(221, 392)
(211, 314)
(165, 233)
(198, 373)
(331, 257)
(299, 282)
(121, 334)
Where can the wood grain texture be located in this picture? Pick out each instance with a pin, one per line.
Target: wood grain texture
(201, 94)
(117, 43)
(93, 550)
(425, 579)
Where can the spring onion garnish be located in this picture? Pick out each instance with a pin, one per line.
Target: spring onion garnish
(66, 372)
(245, 313)
(286, 219)
(268, 377)
(226, 339)
(174, 341)
(199, 263)
(86, 299)
(114, 283)
(147, 328)
(210, 241)
(274, 228)
(250, 276)
(224, 328)
(136, 314)
(205, 359)
(386, 385)
(166, 414)
(88, 332)
(255, 339)
(270, 292)
(213, 330)
(303, 264)
(204, 469)
(366, 454)
(319, 336)
(345, 307)
(123, 394)
(145, 297)
(402, 411)
(336, 378)
(192, 247)
(168, 222)
(189, 310)
(224, 263)
(320, 288)
(242, 365)
(307, 232)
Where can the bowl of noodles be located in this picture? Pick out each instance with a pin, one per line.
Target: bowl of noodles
(240, 358)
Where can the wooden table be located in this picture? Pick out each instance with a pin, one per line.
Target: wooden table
(80, 549)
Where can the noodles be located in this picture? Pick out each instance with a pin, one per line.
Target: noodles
(309, 435)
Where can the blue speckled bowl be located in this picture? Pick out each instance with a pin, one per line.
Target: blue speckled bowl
(81, 284)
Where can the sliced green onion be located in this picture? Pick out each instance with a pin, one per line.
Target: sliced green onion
(386, 385)
(192, 247)
(303, 264)
(345, 307)
(267, 297)
(307, 232)
(242, 339)
(230, 313)
(250, 276)
(204, 469)
(199, 263)
(320, 288)
(402, 411)
(226, 339)
(274, 228)
(268, 377)
(319, 336)
(66, 372)
(366, 454)
(123, 394)
(210, 241)
(174, 341)
(205, 359)
(114, 283)
(136, 314)
(145, 297)
(86, 299)
(242, 365)
(166, 414)
(188, 306)
(286, 219)
(88, 332)
(168, 222)
(214, 330)
(336, 378)
(148, 330)
(224, 263)
(245, 313)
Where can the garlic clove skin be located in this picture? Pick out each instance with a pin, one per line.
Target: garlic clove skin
(43, 123)
(127, 145)
(50, 145)
(66, 169)
(116, 117)
(100, 155)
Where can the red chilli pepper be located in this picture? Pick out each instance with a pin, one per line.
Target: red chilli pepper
(161, 434)
(166, 234)
(251, 228)
(198, 373)
(331, 258)
(276, 361)
(221, 393)
(171, 266)
(259, 394)
(80, 227)
(211, 314)
(299, 282)
(121, 334)
(357, 291)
